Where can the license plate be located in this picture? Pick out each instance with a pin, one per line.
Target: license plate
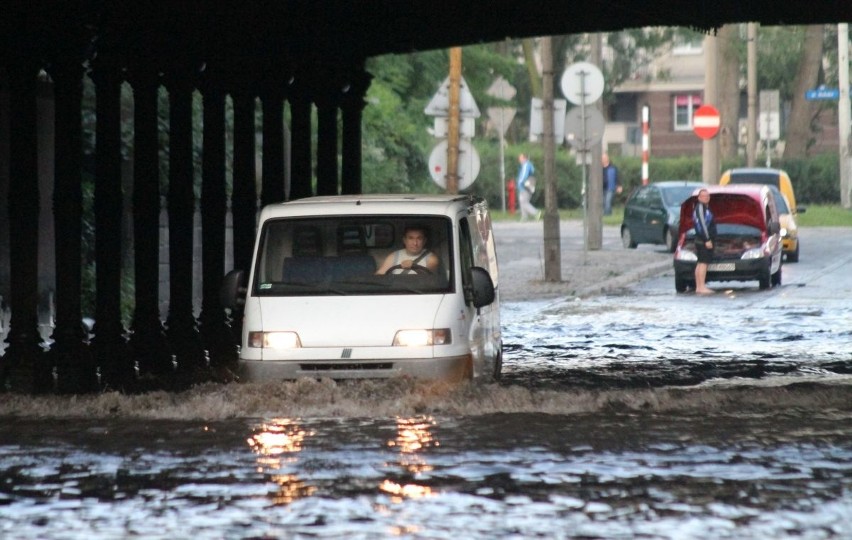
(722, 267)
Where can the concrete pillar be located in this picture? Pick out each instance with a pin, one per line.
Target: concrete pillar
(328, 101)
(244, 193)
(24, 355)
(112, 356)
(352, 107)
(180, 324)
(75, 368)
(214, 332)
(272, 190)
(301, 177)
(148, 340)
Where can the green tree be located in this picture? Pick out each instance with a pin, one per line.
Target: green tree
(396, 138)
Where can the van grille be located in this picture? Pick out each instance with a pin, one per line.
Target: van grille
(348, 366)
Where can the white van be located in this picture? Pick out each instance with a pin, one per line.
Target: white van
(315, 305)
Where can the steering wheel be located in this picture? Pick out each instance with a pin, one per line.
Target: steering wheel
(416, 268)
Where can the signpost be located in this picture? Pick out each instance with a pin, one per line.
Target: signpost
(502, 117)
(583, 84)
(769, 120)
(467, 164)
(706, 122)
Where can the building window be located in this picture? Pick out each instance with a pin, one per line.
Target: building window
(684, 107)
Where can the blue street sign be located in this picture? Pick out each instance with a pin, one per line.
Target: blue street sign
(822, 93)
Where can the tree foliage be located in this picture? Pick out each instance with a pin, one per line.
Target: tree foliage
(397, 140)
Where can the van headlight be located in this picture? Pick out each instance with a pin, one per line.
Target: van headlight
(420, 338)
(274, 340)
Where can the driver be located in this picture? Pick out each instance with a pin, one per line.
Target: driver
(414, 253)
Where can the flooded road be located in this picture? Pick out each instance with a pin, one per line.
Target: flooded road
(639, 413)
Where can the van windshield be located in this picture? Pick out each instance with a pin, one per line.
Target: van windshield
(342, 255)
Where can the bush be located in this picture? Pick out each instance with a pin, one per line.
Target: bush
(816, 179)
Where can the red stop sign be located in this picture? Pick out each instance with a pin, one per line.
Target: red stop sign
(705, 122)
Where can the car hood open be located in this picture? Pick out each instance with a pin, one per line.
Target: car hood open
(727, 208)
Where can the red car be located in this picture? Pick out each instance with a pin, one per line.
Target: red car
(748, 241)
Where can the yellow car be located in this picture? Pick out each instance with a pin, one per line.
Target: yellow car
(789, 229)
(785, 199)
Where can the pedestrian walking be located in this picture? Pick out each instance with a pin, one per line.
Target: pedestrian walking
(526, 187)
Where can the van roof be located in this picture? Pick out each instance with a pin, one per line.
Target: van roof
(370, 204)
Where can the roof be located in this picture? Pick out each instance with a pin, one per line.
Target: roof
(370, 204)
(666, 183)
(292, 33)
(755, 170)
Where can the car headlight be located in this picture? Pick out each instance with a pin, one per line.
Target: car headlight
(274, 340)
(783, 232)
(753, 253)
(420, 338)
(686, 255)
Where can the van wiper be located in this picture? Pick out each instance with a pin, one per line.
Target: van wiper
(372, 283)
(318, 287)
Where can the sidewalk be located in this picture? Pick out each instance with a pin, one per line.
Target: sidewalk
(520, 253)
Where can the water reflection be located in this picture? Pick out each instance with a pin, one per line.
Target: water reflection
(414, 436)
(278, 443)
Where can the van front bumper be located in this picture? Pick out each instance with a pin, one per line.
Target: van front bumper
(453, 368)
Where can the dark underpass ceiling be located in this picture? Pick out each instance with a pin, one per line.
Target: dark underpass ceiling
(292, 32)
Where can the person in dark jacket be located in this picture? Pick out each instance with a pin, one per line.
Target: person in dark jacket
(611, 183)
(705, 236)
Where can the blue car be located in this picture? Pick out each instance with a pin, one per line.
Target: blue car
(652, 213)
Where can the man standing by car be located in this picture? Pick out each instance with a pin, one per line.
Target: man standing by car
(611, 185)
(705, 234)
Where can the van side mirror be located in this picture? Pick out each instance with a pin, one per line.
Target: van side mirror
(482, 293)
(232, 292)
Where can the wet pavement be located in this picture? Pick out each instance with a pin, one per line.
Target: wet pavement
(584, 272)
(626, 410)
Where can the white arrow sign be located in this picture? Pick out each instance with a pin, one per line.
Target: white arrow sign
(440, 103)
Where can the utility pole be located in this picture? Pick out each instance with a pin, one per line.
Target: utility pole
(751, 128)
(594, 187)
(843, 111)
(453, 121)
(552, 248)
(710, 148)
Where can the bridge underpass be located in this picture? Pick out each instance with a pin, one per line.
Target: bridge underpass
(307, 57)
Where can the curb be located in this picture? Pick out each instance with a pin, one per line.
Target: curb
(625, 279)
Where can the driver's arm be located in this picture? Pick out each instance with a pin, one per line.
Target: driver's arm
(432, 262)
(385, 265)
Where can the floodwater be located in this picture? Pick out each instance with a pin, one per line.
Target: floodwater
(622, 416)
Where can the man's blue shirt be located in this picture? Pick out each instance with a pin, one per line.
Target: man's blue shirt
(524, 171)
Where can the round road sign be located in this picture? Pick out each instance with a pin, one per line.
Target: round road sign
(468, 165)
(582, 83)
(581, 134)
(706, 122)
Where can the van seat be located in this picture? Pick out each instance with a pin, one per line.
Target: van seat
(320, 269)
(350, 266)
(304, 269)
